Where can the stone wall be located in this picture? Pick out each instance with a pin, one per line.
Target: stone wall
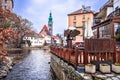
(63, 71)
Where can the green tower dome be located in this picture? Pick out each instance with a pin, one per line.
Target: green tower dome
(50, 18)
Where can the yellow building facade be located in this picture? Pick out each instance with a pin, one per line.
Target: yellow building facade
(78, 19)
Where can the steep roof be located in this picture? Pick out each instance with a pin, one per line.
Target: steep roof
(76, 12)
(44, 31)
(109, 3)
(55, 37)
(31, 33)
(80, 11)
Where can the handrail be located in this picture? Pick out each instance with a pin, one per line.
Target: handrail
(66, 54)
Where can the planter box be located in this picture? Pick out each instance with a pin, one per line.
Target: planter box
(90, 68)
(105, 68)
(115, 68)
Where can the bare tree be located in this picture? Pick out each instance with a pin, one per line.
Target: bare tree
(24, 27)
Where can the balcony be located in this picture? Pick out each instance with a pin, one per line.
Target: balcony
(114, 14)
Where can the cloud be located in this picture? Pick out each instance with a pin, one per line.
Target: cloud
(37, 11)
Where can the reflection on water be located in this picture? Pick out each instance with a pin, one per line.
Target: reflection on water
(34, 67)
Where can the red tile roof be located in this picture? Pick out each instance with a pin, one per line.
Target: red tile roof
(44, 31)
(80, 11)
(55, 37)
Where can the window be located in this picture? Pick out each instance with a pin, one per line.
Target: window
(116, 29)
(50, 25)
(105, 31)
(83, 23)
(83, 17)
(74, 17)
(101, 32)
(5, 7)
(50, 29)
(74, 24)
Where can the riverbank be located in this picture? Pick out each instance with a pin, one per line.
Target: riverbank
(5, 67)
(13, 49)
(63, 70)
(7, 62)
(15, 55)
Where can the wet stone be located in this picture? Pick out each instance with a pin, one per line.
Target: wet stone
(101, 76)
(109, 75)
(118, 76)
(115, 78)
(5, 66)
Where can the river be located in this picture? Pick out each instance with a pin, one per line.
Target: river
(35, 66)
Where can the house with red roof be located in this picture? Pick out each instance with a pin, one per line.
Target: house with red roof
(45, 34)
(33, 40)
(56, 39)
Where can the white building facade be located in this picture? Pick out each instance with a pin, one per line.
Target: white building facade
(35, 41)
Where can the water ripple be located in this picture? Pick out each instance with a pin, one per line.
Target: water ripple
(34, 67)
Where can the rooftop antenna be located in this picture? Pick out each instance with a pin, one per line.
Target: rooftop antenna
(83, 7)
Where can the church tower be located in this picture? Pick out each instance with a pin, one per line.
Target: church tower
(50, 23)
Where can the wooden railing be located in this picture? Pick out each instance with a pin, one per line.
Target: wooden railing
(100, 50)
(95, 50)
(72, 56)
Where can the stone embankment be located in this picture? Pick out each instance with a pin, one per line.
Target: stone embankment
(63, 71)
(5, 67)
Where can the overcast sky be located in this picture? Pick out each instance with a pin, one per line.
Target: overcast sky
(37, 11)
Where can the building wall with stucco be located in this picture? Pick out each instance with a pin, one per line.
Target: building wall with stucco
(81, 23)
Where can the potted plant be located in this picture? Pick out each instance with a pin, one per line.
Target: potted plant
(105, 68)
(90, 68)
(116, 67)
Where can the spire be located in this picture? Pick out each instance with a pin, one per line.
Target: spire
(50, 17)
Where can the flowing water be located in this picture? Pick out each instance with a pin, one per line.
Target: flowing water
(35, 66)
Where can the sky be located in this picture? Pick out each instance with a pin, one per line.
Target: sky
(37, 11)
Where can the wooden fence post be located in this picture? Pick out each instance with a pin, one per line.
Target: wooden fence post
(76, 58)
(114, 54)
(85, 53)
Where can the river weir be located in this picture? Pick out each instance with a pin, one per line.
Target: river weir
(34, 66)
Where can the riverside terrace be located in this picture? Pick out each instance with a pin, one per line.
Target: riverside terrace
(97, 51)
